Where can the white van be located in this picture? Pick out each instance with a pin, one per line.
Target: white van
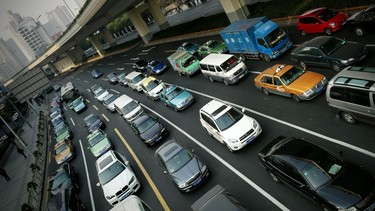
(223, 67)
(134, 80)
(131, 203)
(128, 108)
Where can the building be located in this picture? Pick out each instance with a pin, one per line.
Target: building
(59, 20)
(17, 52)
(9, 63)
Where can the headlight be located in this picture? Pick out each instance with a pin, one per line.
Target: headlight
(109, 197)
(182, 185)
(255, 124)
(347, 61)
(308, 92)
(275, 52)
(132, 180)
(324, 80)
(332, 24)
(348, 209)
(232, 140)
(203, 169)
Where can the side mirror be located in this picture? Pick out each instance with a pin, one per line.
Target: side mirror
(98, 184)
(126, 163)
(165, 172)
(88, 147)
(243, 110)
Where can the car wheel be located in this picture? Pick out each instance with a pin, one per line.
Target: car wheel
(274, 177)
(175, 108)
(265, 91)
(230, 149)
(303, 64)
(359, 31)
(209, 133)
(226, 83)
(212, 80)
(296, 98)
(303, 33)
(265, 57)
(336, 67)
(348, 117)
(328, 31)
(166, 105)
(325, 207)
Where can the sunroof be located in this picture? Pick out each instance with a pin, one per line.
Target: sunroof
(220, 109)
(354, 82)
(362, 69)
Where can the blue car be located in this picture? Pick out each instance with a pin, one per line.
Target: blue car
(156, 67)
(190, 47)
(78, 105)
(96, 73)
(176, 97)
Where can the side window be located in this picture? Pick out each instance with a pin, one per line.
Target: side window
(277, 81)
(315, 52)
(303, 20)
(355, 96)
(211, 68)
(261, 42)
(267, 79)
(203, 67)
(278, 164)
(208, 120)
(313, 21)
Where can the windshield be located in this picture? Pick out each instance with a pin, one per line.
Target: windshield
(61, 148)
(138, 78)
(57, 121)
(146, 125)
(112, 75)
(70, 96)
(291, 75)
(59, 180)
(121, 76)
(96, 139)
(100, 92)
(150, 86)
(91, 120)
(327, 14)
(129, 107)
(110, 100)
(179, 160)
(315, 175)
(61, 131)
(188, 61)
(228, 119)
(141, 63)
(275, 37)
(77, 102)
(154, 63)
(111, 172)
(174, 93)
(213, 44)
(229, 64)
(332, 45)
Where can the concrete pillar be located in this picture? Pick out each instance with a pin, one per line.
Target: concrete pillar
(140, 25)
(158, 15)
(108, 36)
(235, 9)
(98, 47)
(75, 54)
(54, 69)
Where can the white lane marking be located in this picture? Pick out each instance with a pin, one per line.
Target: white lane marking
(147, 50)
(87, 100)
(87, 176)
(78, 79)
(99, 64)
(127, 63)
(136, 58)
(142, 53)
(124, 55)
(105, 117)
(110, 64)
(255, 72)
(115, 91)
(120, 68)
(72, 121)
(225, 163)
(370, 45)
(95, 107)
(333, 140)
(169, 51)
(86, 81)
(65, 108)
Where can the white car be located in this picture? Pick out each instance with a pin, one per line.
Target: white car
(108, 102)
(152, 87)
(116, 177)
(228, 125)
(100, 95)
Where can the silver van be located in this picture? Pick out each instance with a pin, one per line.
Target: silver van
(223, 67)
(352, 94)
(131, 203)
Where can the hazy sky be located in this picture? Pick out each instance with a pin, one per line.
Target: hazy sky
(30, 8)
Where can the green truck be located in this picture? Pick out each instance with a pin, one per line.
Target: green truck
(184, 63)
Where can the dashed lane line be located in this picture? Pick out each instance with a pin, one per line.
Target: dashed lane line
(72, 121)
(95, 107)
(115, 91)
(87, 100)
(105, 117)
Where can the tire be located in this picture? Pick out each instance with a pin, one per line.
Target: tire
(335, 67)
(302, 63)
(209, 133)
(328, 31)
(230, 149)
(175, 109)
(265, 57)
(296, 98)
(166, 105)
(274, 178)
(359, 31)
(325, 207)
(303, 33)
(212, 80)
(265, 91)
(348, 117)
(226, 83)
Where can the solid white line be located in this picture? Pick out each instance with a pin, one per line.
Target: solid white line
(333, 140)
(147, 50)
(72, 121)
(86, 81)
(225, 163)
(87, 176)
(137, 58)
(370, 45)
(115, 91)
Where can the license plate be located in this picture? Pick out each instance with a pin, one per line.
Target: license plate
(248, 141)
(320, 88)
(197, 181)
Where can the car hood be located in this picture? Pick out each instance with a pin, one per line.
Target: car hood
(306, 81)
(349, 188)
(117, 183)
(239, 128)
(111, 106)
(94, 125)
(67, 184)
(62, 136)
(100, 146)
(151, 132)
(219, 47)
(191, 169)
(65, 153)
(101, 97)
(349, 50)
(156, 90)
(158, 67)
(180, 97)
(338, 18)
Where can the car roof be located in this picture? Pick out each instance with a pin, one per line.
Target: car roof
(141, 119)
(105, 160)
(215, 58)
(215, 108)
(89, 117)
(273, 70)
(132, 74)
(318, 41)
(148, 80)
(168, 149)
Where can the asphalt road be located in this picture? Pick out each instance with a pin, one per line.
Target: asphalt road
(240, 172)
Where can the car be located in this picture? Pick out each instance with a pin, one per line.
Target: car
(152, 87)
(94, 88)
(49, 89)
(329, 51)
(56, 87)
(140, 66)
(78, 105)
(65, 200)
(212, 46)
(189, 47)
(149, 129)
(56, 101)
(156, 67)
(116, 177)
(100, 94)
(62, 133)
(64, 151)
(56, 109)
(96, 73)
(217, 198)
(321, 20)
(176, 97)
(65, 178)
(228, 125)
(98, 142)
(112, 77)
(131, 203)
(134, 80)
(362, 22)
(93, 122)
(55, 114)
(319, 174)
(182, 167)
(291, 81)
(108, 102)
(121, 79)
(56, 122)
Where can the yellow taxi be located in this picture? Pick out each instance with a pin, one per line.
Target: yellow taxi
(152, 87)
(291, 81)
(64, 151)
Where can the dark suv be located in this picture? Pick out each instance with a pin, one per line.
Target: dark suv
(362, 22)
(64, 201)
(140, 66)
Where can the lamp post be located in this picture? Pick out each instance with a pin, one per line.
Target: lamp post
(69, 8)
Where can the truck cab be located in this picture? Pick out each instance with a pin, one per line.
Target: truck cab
(184, 63)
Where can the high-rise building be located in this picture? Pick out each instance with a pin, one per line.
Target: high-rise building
(28, 34)
(58, 21)
(17, 52)
(9, 63)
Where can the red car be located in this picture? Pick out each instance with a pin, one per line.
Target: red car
(321, 20)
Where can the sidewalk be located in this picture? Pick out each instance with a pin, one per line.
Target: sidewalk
(14, 193)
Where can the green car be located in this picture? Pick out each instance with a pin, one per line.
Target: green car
(212, 46)
(62, 133)
(98, 143)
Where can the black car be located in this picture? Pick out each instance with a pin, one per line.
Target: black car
(149, 129)
(140, 65)
(329, 51)
(362, 22)
(64, 178)
(112, 77)
(93, 122)
(323, 176)
(64, 201)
